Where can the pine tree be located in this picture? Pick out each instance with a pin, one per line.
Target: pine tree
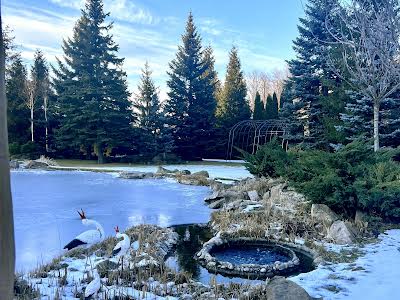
(271, 107)
(258, 113)
(312, 79)
(233, 106)
(17, 109)
(92, 94)
(149, 117)
(39, 94)
(191, 105)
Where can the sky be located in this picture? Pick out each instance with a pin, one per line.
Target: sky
(151, 30)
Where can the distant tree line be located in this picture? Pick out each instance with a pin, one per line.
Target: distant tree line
(82, 108)
(86, 111)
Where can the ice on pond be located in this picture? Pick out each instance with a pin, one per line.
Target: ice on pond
(250, 255)
(45, 205)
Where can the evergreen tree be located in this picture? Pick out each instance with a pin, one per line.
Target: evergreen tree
(40, 92)
(17, 109)
(233, 106)
(258, 113)
(149, 117)
(312, 79)
(147, 102)
(191, 105)
(94, 110)
(271, 108)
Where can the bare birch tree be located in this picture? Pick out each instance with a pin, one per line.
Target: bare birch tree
(266, 84)
(7, 248)
(370, 44)
(31, 105)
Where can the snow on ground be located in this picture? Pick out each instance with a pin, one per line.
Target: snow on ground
(76, 272)
(216, 171)
(375, 275)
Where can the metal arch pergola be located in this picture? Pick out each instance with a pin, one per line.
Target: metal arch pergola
(248, 135)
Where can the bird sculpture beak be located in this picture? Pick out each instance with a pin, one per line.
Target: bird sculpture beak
(82, 214)
(116, 229)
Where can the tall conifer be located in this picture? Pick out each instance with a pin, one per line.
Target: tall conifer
(95, 113)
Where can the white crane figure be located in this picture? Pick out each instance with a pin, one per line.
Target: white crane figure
(122, 247)
(94, 286)
(88, 237)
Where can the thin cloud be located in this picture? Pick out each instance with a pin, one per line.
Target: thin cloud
(123, 10)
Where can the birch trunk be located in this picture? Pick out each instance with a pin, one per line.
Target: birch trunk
(47, 124)
(376, 126)
(7, 250)
(31, 107)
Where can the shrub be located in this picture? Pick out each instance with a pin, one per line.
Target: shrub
(30, 149)
(352, 178)
(269, 160)
(14, 148)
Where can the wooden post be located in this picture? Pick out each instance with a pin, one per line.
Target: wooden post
(7, 248)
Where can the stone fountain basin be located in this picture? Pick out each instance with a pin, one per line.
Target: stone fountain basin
(215, 257)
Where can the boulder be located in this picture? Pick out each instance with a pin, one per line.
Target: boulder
(217, 204)
(32, 164)
(183, 172)
(193, 180)
(202, 174)
(136, 175)
(253, 195)
(342, 233)
(228, 195)
(14, 164)
(164, 171)
(279, 288)
(321, 213)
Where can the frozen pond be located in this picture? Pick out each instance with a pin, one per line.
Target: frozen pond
(45, 205)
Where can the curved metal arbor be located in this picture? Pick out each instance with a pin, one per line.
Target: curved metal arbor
(248, 135)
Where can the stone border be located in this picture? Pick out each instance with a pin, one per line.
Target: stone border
(250, 271)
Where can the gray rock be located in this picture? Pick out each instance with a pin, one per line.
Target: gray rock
(32, 164)
(253, 195)
(228, 195)
(136, 175)
(279, 288)
(202, 174)
(321, 213)
(183, 172)
(341, 233)
(14, 164)
(217, 204)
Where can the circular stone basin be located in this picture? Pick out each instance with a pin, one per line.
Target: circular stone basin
(248, 258)
(251, 254)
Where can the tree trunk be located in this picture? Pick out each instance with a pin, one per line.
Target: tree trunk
(100, 154)
(32, 138)
(7, 248)
(376, 126)
(47, 124)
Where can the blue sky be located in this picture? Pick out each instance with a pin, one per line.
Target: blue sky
(263, 30)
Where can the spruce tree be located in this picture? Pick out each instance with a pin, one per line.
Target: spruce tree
(191, 105)
(271, 108)
(17, 109)
(40, 92)
(258, 113)
(149, 117)
(312, 79)
(233, 106)
(92, 94)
